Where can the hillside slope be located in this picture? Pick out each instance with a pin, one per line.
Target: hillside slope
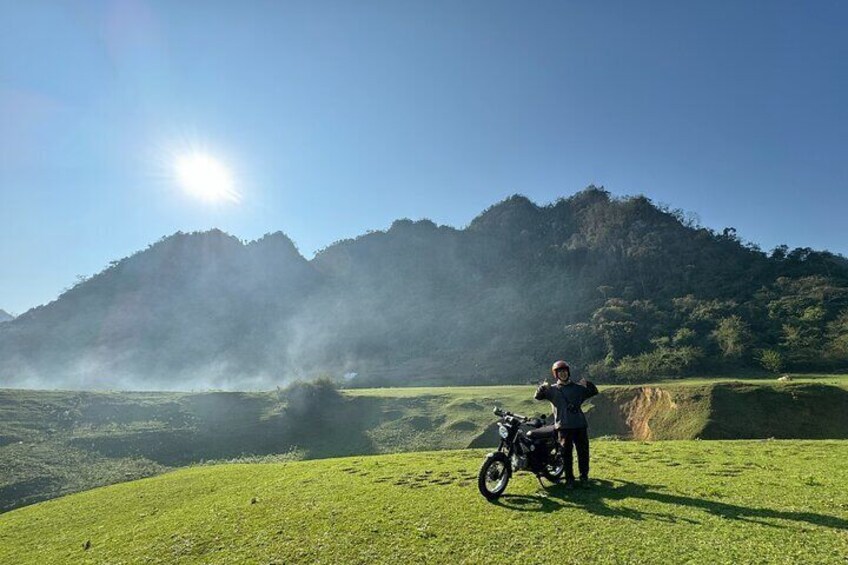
(53, 443)
(621, 287)
(670, 502)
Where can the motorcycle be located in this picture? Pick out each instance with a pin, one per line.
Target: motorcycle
(526, 444)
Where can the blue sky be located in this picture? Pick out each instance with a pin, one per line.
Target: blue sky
(336, 118)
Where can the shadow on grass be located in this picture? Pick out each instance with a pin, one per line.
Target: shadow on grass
(596, 498)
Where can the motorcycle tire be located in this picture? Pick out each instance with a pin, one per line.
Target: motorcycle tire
(494, 476)
(554, 471)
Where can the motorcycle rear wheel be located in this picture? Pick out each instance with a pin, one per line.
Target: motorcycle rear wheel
(554, 470)
(494, 476)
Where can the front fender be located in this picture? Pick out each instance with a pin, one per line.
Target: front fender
(502, 456)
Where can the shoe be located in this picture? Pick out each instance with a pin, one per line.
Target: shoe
(569, 485)
(584, 482)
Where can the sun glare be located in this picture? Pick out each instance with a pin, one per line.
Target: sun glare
(206, 178)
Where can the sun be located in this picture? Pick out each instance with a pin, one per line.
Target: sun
(206, 178)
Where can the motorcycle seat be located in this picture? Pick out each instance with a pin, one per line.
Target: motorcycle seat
(545, 432)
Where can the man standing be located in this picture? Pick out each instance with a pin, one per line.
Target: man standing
(566, 397)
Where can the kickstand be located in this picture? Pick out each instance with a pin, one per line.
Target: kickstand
(541, 484)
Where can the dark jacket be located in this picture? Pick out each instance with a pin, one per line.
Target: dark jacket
(566, 400)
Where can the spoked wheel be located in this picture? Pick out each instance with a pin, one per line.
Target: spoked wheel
(555, 467)
(494, 476)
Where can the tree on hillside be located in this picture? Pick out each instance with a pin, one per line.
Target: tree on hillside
(837, 338)
(733, 336)
(803, 308)
(771, 360)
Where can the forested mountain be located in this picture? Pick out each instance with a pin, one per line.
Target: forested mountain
(622, 288)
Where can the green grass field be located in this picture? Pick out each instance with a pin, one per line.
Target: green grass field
(651, 502)
(56, 442)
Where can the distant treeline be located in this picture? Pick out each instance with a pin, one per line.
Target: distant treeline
(624, 289)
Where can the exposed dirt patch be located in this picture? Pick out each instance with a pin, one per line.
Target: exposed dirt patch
(646, 403)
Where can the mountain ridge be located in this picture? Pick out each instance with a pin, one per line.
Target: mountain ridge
(624, 288)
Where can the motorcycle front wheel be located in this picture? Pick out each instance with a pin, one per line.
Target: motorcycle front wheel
(494, 476)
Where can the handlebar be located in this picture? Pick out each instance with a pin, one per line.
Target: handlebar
(498, 412)
(534, 422)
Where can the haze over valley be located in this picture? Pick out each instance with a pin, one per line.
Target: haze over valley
(626, 289)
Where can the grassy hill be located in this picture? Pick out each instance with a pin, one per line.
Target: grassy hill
(53, 443)
(657, 502)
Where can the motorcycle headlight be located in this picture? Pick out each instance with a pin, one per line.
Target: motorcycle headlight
(503, 431)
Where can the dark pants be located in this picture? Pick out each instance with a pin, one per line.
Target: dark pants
(579, 438)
